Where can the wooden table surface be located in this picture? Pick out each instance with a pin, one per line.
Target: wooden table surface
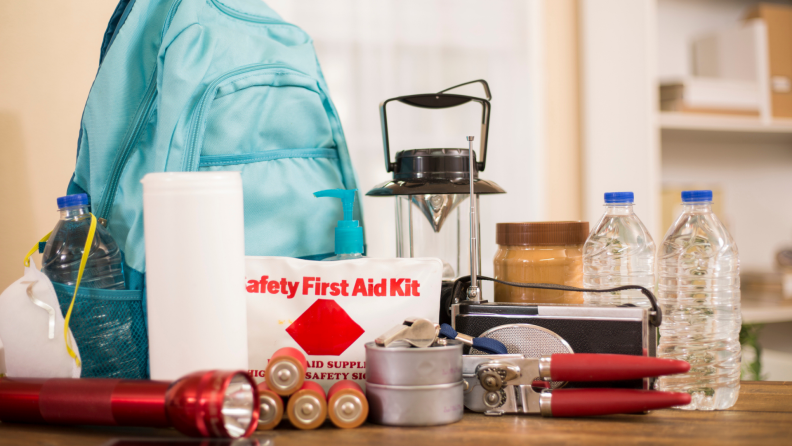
(762, 416)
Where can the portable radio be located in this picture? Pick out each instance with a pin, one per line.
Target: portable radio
(535, 330)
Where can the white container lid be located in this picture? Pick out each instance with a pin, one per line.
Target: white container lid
(187, 182)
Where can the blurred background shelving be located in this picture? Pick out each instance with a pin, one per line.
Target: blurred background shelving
(767, 309)
(627, 50)
(721, 123)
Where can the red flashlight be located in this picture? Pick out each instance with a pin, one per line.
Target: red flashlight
(202, 404)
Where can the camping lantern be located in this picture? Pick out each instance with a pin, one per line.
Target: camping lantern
(429, 185)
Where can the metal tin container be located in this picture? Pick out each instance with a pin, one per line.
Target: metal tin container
(415, 405)
(408, 386)
(409, 366)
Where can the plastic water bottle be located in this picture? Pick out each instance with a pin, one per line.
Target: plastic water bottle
(64, 250)
(700, 297)
(619, 251)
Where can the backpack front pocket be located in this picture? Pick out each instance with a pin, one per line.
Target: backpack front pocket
(282, 217)
(278, 128)
(255, 108)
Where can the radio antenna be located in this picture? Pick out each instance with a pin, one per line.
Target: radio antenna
(473, 290)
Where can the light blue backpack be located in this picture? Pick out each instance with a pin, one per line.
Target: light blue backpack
(199, 85)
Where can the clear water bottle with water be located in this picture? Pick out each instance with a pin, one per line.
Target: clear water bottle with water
(699, 293)
(64, 250)
(619, 251)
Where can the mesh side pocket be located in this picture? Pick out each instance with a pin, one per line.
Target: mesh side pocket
(110, 330)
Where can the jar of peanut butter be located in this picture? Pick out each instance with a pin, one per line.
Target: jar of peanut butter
(540, 252)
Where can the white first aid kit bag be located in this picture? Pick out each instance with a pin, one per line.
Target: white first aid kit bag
(329, 310)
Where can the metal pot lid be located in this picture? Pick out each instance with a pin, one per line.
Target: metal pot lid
(422, 187)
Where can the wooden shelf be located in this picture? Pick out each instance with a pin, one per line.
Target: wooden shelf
(721, 123)
(758, 308)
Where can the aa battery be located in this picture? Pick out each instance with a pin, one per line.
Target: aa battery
(285, 371)
(307, 408)
(346, 404)
(271, 412)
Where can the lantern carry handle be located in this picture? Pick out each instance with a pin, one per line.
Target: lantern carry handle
(479, 81)
(438, 101)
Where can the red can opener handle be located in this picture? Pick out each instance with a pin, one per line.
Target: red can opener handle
(589, 402)
(604, 367)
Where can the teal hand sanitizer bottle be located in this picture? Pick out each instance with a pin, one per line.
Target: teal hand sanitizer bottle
(348, 233)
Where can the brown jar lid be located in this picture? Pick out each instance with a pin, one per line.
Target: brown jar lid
(543, 233)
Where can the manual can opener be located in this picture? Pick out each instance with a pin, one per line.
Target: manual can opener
(498, 384)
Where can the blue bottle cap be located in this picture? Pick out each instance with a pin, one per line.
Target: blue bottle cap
(619, 197)
(696, 196)
(348, 233)
(73, 200)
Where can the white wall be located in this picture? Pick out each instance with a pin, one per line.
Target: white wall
(620, 140)
(49, 54)
(372, 51)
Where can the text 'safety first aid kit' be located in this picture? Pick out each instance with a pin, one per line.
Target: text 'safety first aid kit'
(330, 310)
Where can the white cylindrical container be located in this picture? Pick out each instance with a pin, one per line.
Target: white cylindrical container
(195, 272)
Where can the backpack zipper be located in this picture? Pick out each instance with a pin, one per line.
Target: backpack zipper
(141, 117)
(249, 17)
(169, 18)
(190, 162)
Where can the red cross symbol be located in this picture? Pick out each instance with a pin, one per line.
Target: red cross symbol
(325, 329)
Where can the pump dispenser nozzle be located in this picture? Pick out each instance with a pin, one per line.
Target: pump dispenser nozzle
(348, 233)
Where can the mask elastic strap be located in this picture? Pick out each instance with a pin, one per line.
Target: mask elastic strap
(83, 261)
(35, 248)
(41, 304)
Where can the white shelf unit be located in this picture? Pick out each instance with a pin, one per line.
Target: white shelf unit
(721, 123)
(766, 311)
(628, 144)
